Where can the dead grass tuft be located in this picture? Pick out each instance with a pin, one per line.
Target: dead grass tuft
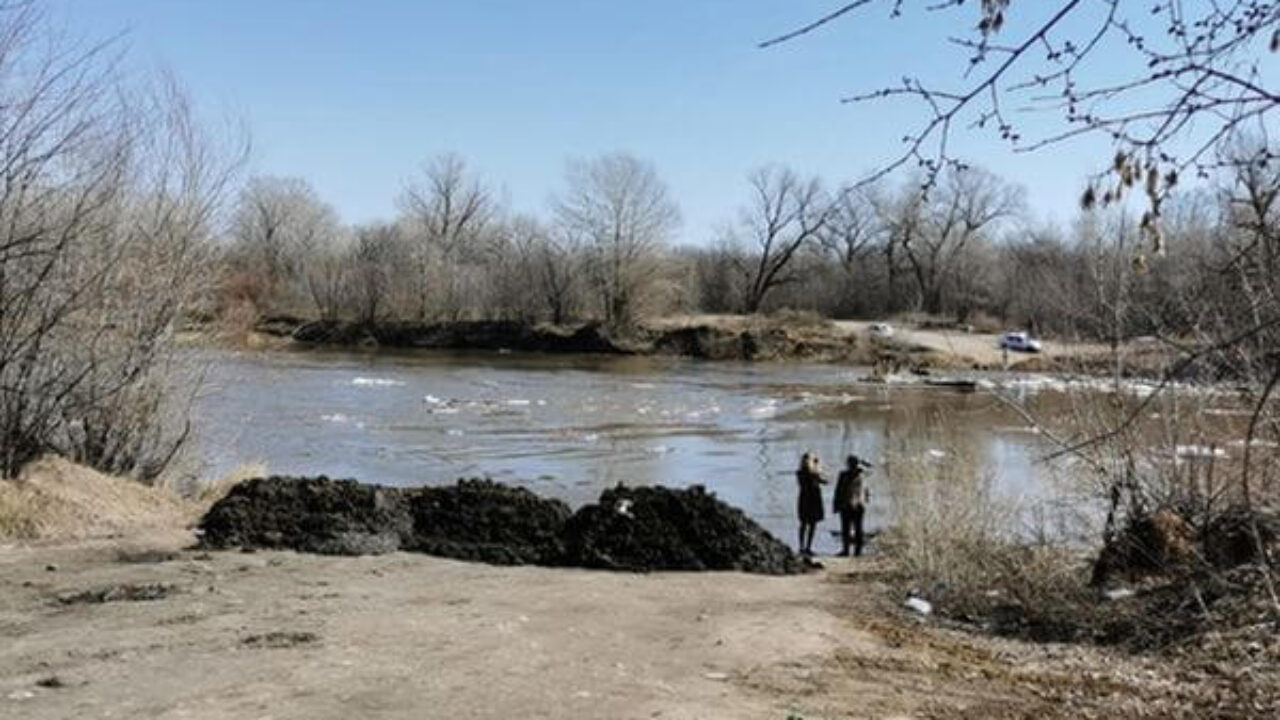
(53, 498)
(208, 492)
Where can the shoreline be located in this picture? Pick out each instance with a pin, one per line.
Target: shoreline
(922, 352)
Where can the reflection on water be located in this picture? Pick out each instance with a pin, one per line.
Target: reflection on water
(571, 426)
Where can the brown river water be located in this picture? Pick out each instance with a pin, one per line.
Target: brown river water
(570, 426)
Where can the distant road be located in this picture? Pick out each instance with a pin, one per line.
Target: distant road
(981, 348)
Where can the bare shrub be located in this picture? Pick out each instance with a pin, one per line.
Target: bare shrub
(947, 518)
(105, 238)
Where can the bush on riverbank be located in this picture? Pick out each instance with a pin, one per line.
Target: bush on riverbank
(1159, 582)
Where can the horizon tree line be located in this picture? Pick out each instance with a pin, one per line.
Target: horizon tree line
(960, 248)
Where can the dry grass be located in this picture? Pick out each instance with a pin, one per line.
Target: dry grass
(968, 550)
(55, 499)
(208, 492)
(946, 517)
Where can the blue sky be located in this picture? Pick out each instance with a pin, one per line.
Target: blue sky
(353, 96)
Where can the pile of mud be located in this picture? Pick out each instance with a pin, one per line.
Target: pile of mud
(317, 515)
(635, 529)
(657, 528)
(485, 521)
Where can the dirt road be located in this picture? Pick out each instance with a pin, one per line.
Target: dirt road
(279, 635)
(974, 348)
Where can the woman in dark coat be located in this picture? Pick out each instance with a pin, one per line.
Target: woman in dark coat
(809, 505)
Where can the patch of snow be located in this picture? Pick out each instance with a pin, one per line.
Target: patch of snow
(376, 382)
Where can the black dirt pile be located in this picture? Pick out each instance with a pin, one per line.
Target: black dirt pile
(656, 528)
(484, 521)
(318, 515)
(637, 529)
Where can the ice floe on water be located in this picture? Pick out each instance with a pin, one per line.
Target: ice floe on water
(1018, 429)
(700, 413)
(376, 382)
(1199, 452)
(1131, 386)
(486, 406)
(1257, 443)
(340, 419)
(1227, 412)
(767, 410)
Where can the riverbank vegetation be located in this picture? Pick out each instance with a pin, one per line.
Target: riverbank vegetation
(968, 250)
(110, 207)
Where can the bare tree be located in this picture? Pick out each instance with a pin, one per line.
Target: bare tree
(326, 271)
(786, 213)
(112, 195)
(718, 274)
(558, 262)
(371, 261)
(625, 214)
(1164, 81)
(853, 231)
(449, 213)
(279, 225)
(933, 230)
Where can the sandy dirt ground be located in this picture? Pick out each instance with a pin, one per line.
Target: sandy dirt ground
(281, 635)
(976, 347)
(960, 348)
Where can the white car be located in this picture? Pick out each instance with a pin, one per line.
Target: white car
(1019, 342)
(880, 331)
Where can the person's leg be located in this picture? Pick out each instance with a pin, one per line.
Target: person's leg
(844, 533)
(858, 514)
(801, 538)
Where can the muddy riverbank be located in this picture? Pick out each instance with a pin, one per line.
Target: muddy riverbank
(729, 338)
